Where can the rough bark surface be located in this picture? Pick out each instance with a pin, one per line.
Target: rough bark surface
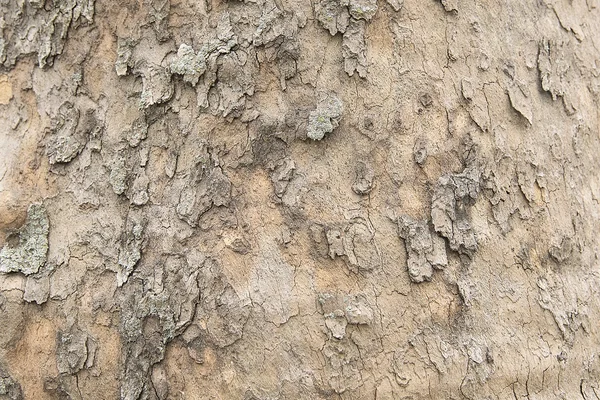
(274, 199)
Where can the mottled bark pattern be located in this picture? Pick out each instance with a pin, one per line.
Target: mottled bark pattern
(276, 199)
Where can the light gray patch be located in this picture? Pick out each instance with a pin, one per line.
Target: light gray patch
(157, 87)
(189, 64)
(118, 173)
(326, 117)
(235, 82)
(520, 100)
(450, 5)
(396, 4)
(28, 255)
(333, 312)
(272, 285)
(566, 309)
(452, 197)
(343, 366)
(468, 89)
(357, 310)
(131, 246)
(354, 48)
(333, 15)
(75, 350)
(226, 312)
(29, 28)
(362, 9)
(223, 41)
(151, 319)
(554, 69)
(205, 190)
(425, 250)
(124, 61)
(37, 289)
(137, 132)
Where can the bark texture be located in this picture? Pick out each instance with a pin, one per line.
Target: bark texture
(276, 199)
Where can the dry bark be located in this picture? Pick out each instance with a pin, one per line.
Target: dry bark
(273, 199)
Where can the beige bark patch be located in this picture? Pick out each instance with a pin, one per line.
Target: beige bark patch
(37, 343)
(6, 93)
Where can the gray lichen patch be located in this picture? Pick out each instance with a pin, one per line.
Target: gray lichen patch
(452, 197)
(426, 250)
(28, 255)
(362, 9)
(326, 117)
(189, 64)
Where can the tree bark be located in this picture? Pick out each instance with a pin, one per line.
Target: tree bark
(273, 199)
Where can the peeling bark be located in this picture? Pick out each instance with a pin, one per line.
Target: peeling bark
(269, 199)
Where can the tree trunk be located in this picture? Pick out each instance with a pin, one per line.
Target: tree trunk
(276, 199)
